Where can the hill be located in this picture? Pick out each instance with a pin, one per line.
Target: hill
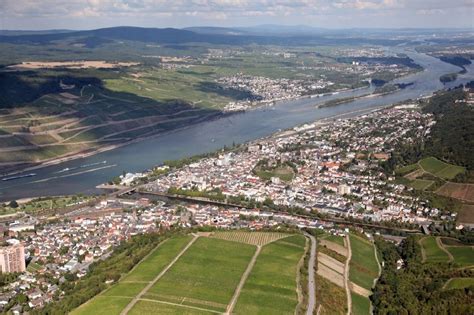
(205, 275)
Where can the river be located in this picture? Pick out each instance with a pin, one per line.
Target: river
(82, 175)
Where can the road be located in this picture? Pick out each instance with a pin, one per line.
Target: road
(346, 275)
(244, 277)
(311, 277)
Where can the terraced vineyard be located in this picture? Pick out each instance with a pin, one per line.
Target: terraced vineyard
(242, 272)
(252, 238)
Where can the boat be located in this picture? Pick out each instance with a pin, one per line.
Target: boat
(18, 177)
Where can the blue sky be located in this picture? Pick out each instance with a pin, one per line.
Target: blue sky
(89, 14)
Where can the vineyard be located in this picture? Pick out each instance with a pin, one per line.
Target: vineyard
(252, 238)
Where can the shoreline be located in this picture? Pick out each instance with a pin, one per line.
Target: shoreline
(101, 149)
(15, 170)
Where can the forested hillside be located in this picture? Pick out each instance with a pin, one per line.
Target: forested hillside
(417, 288)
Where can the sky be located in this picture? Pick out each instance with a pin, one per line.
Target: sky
(91, 14)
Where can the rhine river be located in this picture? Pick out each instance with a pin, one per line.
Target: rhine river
(82, 175)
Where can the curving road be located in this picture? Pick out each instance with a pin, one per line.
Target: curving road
(311, 277)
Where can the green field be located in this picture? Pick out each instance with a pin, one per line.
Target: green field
(154, 307)
(360, 304)
(205, 276)
(113, 300)
(432, 251)
(406, 169)
(334, 238)
(440, 169)
(463, 255)
(204, 279)
(459, 283)
(420, 184)
(103, 305)
(363, 266)
(286, 174)
(271, 286)
(147, 270)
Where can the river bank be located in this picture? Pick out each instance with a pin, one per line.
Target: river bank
(209, 136)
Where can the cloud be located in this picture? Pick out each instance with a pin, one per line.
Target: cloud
(234, 11)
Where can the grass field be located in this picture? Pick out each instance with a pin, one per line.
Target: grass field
(147, 270)
(286, 174)
(406, 169)
(271, 286)
(463, 255)
(331, 297)
(459, 283)
(421, 184)
(154, 307)
(363, 266)
(204, 279)
(334, 238)
(432, 251)
(205, 276)
(113, 300)
(440, 169)
(360, 304)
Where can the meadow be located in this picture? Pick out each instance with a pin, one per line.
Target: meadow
(360, 304)
(266, 293)
(114, 299)
(459, 283)
(205, 277)
(440, 169)
(431, 250)
(363, 266)
(463, 255)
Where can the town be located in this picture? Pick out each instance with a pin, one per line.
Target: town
(330, 167)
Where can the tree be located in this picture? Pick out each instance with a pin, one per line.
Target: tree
(13, 204)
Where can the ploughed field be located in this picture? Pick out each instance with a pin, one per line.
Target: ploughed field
(241, 272)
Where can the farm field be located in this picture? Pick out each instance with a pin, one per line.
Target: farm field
(363, 266)
(119, 295)
(331, 297)
(205, 276)
(459, 283)
(252, 238)
(360, 304)
(202, 273)
(332, 238)
(440, 169)
(154, 307)
(421, 184)
(431, 250)
(466, 214)
(263, 293)
(458, 191)
(463, 255)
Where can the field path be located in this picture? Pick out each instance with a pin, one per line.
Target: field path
(311, 277)
(346, 274)
(441, 246)
(161, 274)
(244, 277)
(423, 254)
